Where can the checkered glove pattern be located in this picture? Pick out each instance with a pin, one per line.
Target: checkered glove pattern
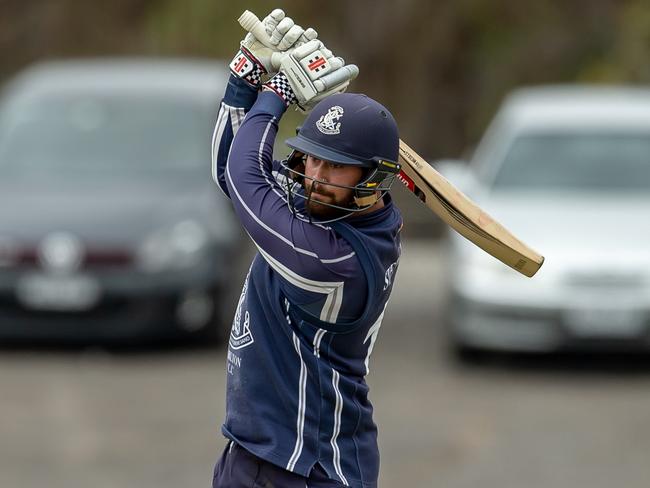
(280, 85)
(246, 66)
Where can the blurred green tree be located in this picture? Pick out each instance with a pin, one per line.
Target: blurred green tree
(441, 67)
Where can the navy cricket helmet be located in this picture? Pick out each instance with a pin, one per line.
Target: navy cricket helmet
(349, 128)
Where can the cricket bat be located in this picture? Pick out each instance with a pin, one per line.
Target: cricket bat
(443, 198)
(463, 215)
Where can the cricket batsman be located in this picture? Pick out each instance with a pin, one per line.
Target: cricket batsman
(328, 240)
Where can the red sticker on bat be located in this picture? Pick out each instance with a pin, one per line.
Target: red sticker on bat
(408, 182)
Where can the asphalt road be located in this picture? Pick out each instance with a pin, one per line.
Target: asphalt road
(150, 418)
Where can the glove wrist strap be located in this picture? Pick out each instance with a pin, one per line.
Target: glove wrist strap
(246, 66)
(280, 85)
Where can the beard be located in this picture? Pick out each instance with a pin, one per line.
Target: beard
(319, 201)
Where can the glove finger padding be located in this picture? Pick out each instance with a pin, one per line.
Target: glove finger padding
(334, 82)
(345, 74)
(309, 35)
(272, 20)
(312, 72)
(300, 51)
(290, 38)
(281, 29)
(336, 62)
(307, 48)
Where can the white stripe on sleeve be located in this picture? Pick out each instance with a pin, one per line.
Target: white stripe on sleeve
(219, 127)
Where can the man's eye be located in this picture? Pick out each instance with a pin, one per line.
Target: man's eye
(336, 166)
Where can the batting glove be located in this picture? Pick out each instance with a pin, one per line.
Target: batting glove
(256, 59)
(309, 73)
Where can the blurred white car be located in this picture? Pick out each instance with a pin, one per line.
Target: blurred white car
(567, 169)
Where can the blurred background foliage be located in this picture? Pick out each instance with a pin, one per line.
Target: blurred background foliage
(441, 67)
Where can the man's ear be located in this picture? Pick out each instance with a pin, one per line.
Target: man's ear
(296, 163)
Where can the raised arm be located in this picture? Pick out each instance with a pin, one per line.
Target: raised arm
(252, 62)
(313, 259)
(237, 101)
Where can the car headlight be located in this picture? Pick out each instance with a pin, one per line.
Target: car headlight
(180, 246)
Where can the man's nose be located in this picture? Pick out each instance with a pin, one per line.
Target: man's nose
(320, 169)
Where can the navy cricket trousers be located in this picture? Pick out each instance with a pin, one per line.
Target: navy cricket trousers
(238, 468)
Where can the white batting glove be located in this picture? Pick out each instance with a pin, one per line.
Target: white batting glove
(309, 73)
(256, 59)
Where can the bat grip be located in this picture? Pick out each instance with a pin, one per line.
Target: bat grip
(251, 23)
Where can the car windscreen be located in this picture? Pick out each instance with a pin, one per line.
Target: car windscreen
(108, 134)
(585, 161)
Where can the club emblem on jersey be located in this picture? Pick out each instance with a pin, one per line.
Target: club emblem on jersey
(329, 123)
(240, 334)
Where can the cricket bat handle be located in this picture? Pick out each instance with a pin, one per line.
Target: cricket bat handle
(251, 23)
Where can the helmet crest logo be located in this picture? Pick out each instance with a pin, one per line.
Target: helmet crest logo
(328, 123)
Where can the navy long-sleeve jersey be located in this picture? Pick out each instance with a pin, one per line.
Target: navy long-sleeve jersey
(309, 312)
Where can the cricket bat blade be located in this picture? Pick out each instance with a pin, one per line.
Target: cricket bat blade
(463, 215)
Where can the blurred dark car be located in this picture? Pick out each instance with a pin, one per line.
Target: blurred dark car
(567, 169)
(110, 224)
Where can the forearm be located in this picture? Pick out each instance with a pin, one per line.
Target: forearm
(249, 166)
(243, 163)
(237, 101)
